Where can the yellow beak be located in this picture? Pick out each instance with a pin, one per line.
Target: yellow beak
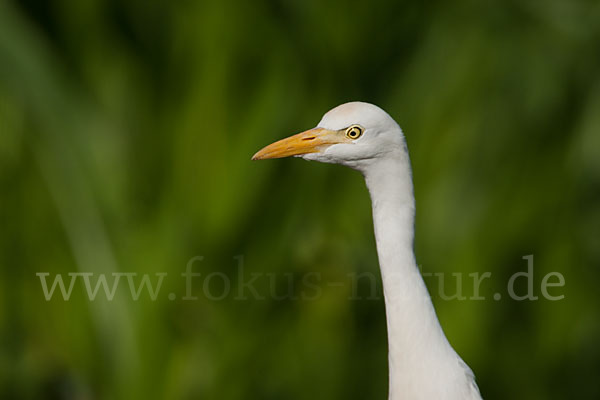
(311, 141)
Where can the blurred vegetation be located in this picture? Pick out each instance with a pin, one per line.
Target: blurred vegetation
(126, 131)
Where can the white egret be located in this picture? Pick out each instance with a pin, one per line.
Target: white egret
(422, 363)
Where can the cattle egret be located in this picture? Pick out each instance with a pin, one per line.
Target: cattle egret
(422, 363)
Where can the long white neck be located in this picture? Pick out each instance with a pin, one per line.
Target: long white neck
(422, 364)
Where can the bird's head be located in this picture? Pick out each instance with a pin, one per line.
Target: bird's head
(354, 134)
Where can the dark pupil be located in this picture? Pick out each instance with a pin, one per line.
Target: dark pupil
(354, 132)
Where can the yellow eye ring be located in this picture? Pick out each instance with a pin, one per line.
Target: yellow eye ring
(354, 132)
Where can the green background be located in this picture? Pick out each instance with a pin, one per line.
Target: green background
(126, 131)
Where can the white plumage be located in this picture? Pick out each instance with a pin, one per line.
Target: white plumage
(422, 364)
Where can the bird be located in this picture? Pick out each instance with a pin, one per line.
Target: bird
(421, 362)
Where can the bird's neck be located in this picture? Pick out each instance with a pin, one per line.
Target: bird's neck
(418, 350)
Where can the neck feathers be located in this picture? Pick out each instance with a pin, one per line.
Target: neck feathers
(422, 364)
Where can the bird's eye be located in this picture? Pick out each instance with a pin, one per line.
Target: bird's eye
(354, 132)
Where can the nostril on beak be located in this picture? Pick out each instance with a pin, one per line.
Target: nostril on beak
(308, 138)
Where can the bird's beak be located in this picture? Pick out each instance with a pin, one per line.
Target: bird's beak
(311, 141)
